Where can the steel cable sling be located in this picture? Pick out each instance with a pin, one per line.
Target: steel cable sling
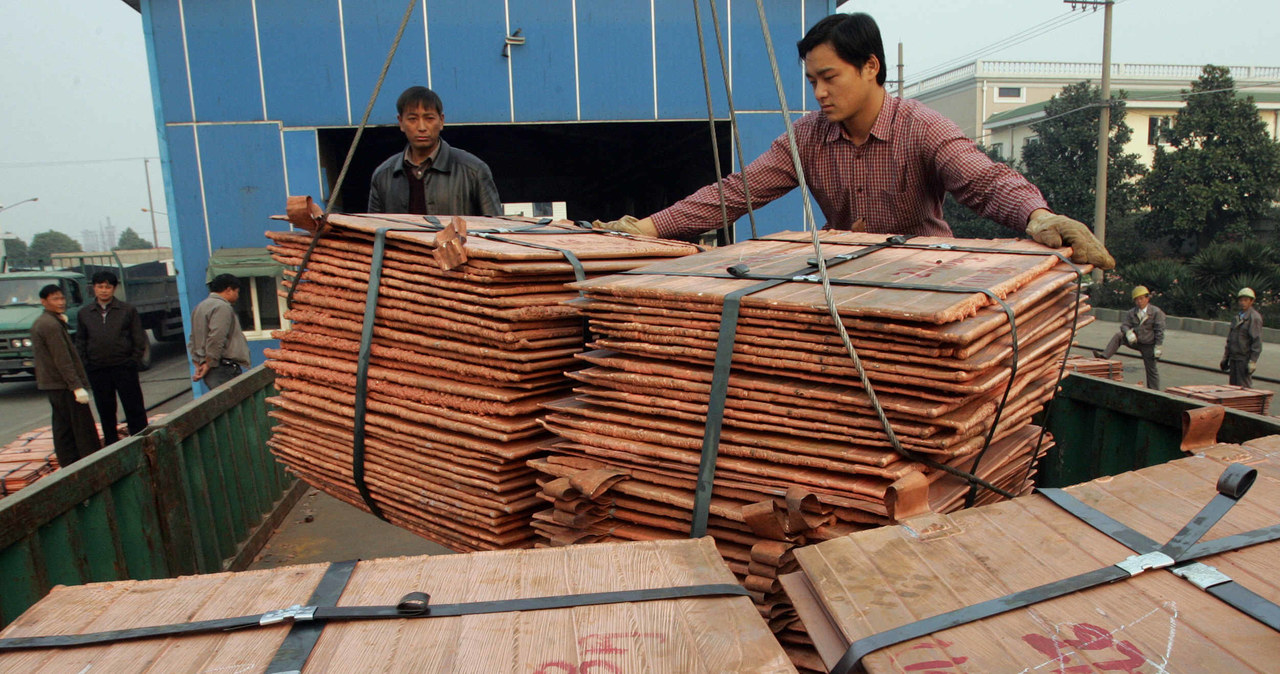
(1178, 555)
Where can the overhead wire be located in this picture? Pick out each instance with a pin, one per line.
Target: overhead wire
(711, 121)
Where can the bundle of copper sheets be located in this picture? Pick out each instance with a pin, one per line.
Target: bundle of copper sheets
(687, 634)
(872, 582)
(802, 455)
(27, 459)
(469, 338)
(1097, 367)
(1240, 398)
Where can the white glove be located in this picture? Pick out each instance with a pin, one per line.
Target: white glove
(82, 396)
(1157, 352)
(1131, 336)
(1253, 365)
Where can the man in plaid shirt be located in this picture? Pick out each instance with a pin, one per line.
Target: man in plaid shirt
(874, 162)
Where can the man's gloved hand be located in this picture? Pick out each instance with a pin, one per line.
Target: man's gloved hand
(1157, 352)
(629, 225)
(1055, 230)
(1253, 365)
(1223, 365)
(1131, 336)
(82, 396)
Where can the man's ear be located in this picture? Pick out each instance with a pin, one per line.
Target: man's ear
(872, 66)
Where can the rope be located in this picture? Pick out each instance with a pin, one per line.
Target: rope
(733, 114)
(711, 121)
(351, 151)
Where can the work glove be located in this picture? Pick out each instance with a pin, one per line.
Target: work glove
(1131, 336)
(1223, 365)
(629, 225)
(1054, 230)
(1252, 366)
(82, 396)
(1157, 352)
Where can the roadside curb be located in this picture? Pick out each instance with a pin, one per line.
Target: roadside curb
(1197, 325)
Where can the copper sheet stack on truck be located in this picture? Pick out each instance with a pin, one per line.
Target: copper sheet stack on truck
(1096, 367)
(1160, 619)
(802, 456)
(715, 632)
(470, 337)
(1241, 398)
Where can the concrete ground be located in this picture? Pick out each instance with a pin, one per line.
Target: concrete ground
(323, 529)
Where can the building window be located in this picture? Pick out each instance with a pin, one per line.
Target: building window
(998, 150)
(1030, 140)
(1010, 95)
(260, 307)
(1157, 127)
(537, 209)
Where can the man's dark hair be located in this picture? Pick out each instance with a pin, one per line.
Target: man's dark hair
(855, 37)
(415, 96)
(223, 281)
(105, 277)
(50, 289)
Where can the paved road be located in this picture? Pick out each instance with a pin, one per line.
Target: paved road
(1187, 358)
(23, 407)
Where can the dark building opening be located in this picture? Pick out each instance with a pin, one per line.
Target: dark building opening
(599, 170)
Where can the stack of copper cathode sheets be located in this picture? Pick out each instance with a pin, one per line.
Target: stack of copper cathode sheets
(802, 454)
(1257, 401)
(470, 338)
(1097, 367)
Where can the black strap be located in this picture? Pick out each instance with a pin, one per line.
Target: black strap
(1236, 478)
(412, 605)
(302, 637)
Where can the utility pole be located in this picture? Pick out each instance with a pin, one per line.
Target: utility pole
(155, 240)
(1104, 126)
(899, 69)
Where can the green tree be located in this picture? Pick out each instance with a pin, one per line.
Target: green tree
(130, 240)
(965, 223)
(45, 244)
(1222, 169)
(1063, 162)
(15, 250)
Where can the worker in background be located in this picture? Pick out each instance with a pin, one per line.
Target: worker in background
(112, 343)
(1244, 342)
(430, 177)
(874, 162)
(219, 351)
(1141, 329)
(61, 375)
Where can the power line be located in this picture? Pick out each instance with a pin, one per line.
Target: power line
(69, 162)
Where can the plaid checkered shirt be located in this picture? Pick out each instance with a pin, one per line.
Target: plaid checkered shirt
(895, 182)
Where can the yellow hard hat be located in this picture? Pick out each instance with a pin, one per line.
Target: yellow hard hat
(1246, 292)
(1139, 291)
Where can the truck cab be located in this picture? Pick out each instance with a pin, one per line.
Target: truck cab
(19, 307)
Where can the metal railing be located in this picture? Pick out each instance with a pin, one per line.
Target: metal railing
(197, 492)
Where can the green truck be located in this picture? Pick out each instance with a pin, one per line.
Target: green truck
(150, 286)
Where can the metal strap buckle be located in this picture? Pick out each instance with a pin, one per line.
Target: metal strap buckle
(1136, 564)
(1202, 576)
(296, 613)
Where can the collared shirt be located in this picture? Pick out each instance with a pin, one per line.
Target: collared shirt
(215, 333)
(419, 170)
(1142, 314)
(895, 182)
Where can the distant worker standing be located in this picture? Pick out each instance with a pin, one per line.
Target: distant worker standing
(61, 375)
(218, 348)
(1142, 329)
(112, 344)
(1244, 342)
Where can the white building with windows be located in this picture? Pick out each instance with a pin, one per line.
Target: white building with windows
(995, 102)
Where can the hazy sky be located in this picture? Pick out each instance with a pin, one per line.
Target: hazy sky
(75, 97)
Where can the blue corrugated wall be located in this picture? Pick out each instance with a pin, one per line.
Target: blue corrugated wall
(242, 86)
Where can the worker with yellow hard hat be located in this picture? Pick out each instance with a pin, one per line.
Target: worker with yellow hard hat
(1142, 330)
(1244, 341)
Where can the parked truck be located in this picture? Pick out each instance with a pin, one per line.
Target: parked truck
(150, 286)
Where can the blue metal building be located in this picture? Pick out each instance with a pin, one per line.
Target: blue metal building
(602, 106)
